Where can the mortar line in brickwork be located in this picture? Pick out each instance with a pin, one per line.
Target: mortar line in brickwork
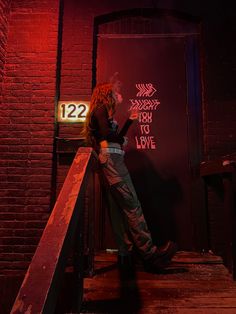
(57, 97)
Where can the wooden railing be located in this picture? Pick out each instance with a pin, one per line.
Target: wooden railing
(62, 234)
(220, 178)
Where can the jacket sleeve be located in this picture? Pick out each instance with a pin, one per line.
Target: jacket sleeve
(125, 127)
(105, 132)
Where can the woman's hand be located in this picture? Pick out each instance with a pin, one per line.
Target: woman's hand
(134, 114)
(125, 141)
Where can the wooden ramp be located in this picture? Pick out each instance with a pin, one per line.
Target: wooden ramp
(194, 284)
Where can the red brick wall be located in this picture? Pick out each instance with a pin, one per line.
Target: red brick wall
(219, 29)
(4, 14)
(27, 129)
(221, 130)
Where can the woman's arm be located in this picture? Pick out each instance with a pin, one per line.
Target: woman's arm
(125, 127)
(105, 132)
(133, 116)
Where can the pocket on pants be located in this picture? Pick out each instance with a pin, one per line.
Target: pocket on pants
(125, 195)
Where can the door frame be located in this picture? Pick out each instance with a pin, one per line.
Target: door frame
(194, 99)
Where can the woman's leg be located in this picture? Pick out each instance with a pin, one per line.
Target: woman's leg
(119, 227)
(118, 179)
(125, 196)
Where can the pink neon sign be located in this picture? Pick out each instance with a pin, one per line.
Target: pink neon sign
(146, 105)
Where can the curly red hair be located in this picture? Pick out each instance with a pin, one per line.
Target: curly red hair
(102, 95)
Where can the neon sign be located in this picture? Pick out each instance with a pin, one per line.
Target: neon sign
(145, 90)
(72, 111)
(146, 104)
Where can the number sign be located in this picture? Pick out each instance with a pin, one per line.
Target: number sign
(72, 111)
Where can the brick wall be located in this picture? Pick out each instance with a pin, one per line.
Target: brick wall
(27, 129)
(220, 75)
(76, 71)
(4, 14)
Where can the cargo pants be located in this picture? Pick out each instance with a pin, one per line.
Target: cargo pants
(127, 219)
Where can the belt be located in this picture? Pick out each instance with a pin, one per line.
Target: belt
(112, 150)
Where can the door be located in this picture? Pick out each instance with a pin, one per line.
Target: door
(153, 75)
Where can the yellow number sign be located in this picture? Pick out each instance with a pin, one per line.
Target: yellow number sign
(72, 111)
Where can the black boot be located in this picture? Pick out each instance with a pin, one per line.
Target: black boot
(161, 258)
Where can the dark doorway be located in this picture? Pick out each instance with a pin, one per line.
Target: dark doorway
(154, 73)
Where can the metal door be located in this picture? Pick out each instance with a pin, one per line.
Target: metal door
(152, 70)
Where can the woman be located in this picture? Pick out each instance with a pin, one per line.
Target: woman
(127, 218)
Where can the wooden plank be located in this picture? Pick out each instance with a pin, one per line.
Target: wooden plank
(196, 257)
(203, 288)
(176, 311)
(217, 166)
(187, 311)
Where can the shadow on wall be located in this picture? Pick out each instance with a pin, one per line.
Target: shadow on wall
(158, 196)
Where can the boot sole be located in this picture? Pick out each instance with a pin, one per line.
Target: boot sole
(162, 261)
